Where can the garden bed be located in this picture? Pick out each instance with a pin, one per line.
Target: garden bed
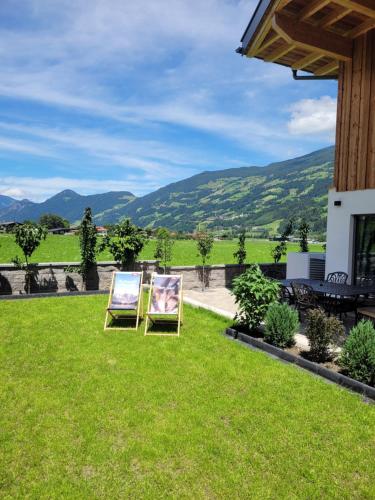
(329, 370)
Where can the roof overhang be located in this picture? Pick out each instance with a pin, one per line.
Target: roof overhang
(308, 35)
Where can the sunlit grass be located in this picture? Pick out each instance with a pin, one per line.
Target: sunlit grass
(93, 414)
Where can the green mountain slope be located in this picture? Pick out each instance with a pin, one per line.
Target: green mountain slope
(248, 196)
(237, 197)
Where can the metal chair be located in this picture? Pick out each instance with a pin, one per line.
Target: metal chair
(286, 295)
(304, 297)
(338, 277)
(366, 299)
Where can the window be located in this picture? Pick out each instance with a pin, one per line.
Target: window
(364, 255)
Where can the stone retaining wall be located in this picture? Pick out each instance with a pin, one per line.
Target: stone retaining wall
(222, 275)
(63, 276)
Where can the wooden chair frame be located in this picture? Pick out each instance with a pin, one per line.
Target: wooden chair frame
(151, 317)
(139, 309)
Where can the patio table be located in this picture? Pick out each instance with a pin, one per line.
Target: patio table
(336, 297)
(329, 288)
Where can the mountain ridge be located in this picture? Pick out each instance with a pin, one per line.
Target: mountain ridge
(241, 196)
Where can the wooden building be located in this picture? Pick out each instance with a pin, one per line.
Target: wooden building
(333, 39)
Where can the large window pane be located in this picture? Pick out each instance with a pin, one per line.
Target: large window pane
(364, 258)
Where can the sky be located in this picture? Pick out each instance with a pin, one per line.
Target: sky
(124, 95)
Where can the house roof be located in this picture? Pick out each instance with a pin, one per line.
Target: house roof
(308, 35)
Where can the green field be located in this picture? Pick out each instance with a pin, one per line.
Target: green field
(66, 249)
(93, 414)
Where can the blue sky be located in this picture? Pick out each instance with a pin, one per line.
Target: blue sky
(99, 95)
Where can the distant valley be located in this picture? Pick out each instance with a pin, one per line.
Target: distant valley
(259, 197)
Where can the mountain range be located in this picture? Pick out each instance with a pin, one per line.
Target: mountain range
(260, 197)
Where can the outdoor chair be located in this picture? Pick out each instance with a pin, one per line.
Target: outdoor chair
(337, 277)
(366, 299)
(343, 305)
(286, 295)
(366, 313)
(304, 297)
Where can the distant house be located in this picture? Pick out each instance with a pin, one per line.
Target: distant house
(59, 230)
(101, 230)
(332, 39)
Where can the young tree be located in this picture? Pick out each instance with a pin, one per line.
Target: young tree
(28, 237)
(303, 231)
(53, 221)
(164, 246)
(87, 243)
(125, 243)
(240, 254)
(281, 248)
(205, 243)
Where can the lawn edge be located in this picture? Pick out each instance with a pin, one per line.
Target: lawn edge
(337, 378)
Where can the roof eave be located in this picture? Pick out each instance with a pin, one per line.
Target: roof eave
(259, 14)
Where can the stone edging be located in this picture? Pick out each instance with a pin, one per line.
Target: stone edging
(337, 378)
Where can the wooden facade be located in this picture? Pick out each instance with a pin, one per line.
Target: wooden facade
(355, 134)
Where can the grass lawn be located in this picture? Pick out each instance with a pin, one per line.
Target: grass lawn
(66, 249)
(93, 414)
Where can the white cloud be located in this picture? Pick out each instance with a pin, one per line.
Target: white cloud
(314, 117)
(24, 147)
(117, 83)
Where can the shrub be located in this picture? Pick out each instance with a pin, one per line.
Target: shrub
(358, 353)
(28, 237)
(303, 231)
(205, 242)
(281, 325)
(254, 293)
(125, 243)
(321, 332)
(87, 245)
(164, 247)
(240, 254)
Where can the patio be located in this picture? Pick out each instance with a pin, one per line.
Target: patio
(221, 301)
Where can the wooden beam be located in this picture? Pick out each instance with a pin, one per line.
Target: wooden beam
(332, 18)
(265, 27)
(269, 42)
(311, 8)
(279, 52)
(365, 7)
(306, 61)
(283, 3)
(311, 38)
(257, 43)
(361, 29)
(327, 69)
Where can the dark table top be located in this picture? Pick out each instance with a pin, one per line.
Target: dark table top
(332, 288)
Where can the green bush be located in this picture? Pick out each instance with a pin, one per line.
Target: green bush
(254, 293)
(358, 353)
(281, 325)
(321, 332)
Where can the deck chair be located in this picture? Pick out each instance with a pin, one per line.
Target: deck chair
(125, 303)
(165, 305)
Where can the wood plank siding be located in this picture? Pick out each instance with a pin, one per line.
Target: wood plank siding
(355, 135)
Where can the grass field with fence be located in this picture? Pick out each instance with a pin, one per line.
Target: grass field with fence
(61, 248)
